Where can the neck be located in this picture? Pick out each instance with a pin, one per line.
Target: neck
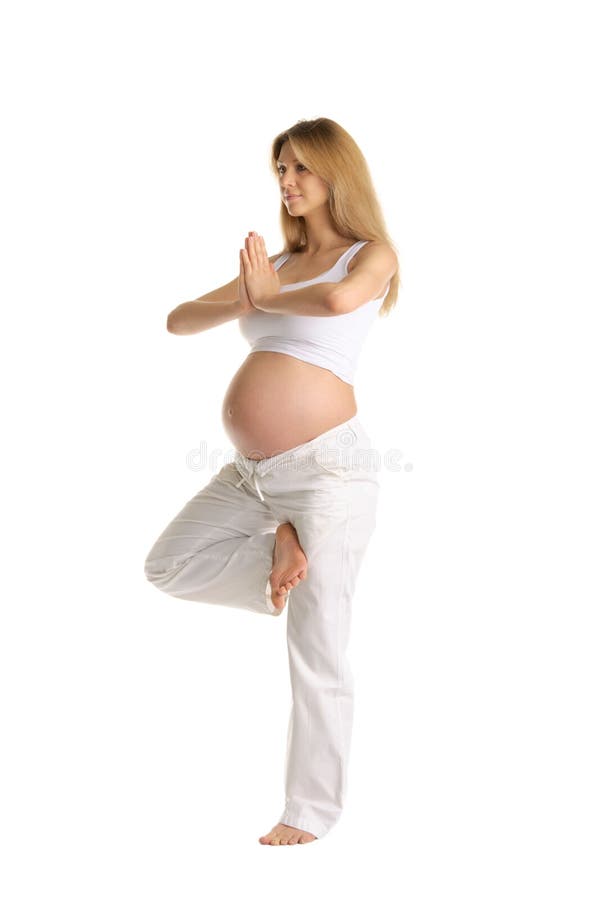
(321, 237)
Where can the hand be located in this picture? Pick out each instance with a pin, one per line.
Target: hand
(261, 278)
(244, 298)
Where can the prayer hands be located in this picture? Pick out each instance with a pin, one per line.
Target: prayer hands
(259, 279)
(244, 298)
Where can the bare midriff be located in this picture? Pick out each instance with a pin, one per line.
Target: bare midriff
(276, 402)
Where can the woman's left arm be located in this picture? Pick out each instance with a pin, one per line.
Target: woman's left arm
(315, 300)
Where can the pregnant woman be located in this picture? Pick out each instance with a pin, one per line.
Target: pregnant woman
(287, 522)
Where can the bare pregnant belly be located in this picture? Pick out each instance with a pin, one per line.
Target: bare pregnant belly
(276, 402)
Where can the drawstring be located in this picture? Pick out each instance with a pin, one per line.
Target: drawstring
(252, 475)
(299, 454)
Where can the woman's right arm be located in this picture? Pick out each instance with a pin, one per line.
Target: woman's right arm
(212, 309)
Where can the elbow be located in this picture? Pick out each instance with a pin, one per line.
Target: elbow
(336, 302)
(171, 323)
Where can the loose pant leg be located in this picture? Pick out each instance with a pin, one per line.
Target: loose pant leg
(332, 506)
(218, 548)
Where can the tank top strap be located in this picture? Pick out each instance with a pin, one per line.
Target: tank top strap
(350, 253)
(281, 259)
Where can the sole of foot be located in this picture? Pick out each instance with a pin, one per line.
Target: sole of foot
(289, 565)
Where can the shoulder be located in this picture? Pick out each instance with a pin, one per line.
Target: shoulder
(376, 253)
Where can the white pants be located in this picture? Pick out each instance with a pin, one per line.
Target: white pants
(219, 549)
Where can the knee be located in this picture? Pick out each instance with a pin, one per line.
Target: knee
(156, 570)
(164, 571)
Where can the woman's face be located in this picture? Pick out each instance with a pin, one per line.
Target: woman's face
(309, 190)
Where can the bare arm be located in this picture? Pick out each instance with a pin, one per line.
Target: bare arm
(199, 315)
(206, 312)
(315, 300)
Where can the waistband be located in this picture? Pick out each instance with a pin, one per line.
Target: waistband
(343, 435)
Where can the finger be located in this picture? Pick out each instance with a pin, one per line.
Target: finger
(253, 249)
(261, 253)
(262, 250)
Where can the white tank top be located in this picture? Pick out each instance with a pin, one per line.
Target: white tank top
(332, 342)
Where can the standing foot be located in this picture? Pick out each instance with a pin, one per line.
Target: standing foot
(287, 834)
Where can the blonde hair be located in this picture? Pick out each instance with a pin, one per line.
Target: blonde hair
(330, 152)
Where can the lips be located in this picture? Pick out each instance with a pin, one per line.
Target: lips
(292, 196)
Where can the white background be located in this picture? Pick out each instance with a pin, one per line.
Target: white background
(143, 737)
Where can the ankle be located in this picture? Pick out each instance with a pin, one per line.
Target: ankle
(286, 532)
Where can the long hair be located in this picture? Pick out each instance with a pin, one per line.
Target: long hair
(330, 152)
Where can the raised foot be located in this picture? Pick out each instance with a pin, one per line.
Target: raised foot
(287, 834)
(289, 564)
